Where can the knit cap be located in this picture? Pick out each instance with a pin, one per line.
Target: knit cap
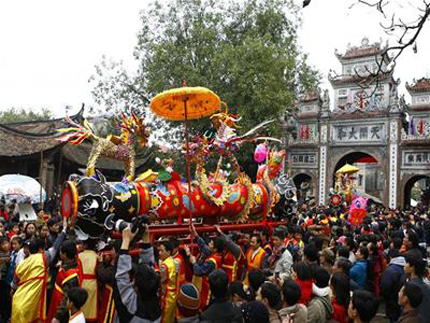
(188, 300)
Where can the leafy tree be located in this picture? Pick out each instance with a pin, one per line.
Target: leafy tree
(245, 51)
(20, 115)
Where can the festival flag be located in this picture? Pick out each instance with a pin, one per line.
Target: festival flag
(421, 127)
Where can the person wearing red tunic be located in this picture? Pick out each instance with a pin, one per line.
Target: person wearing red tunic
(209, 260)
(69, 276)
(106, 277)
(179, 262)
(231, 256)
(29, 282)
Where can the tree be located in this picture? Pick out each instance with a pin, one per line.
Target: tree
(245, 51)
(21, 115)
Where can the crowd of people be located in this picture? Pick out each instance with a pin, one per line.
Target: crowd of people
(316, 267)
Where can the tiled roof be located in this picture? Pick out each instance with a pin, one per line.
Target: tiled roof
(364, 50)
(31, 137)
(79, 155)
(355, 79)
(422, 85)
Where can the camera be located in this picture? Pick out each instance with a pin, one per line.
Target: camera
(135, 224)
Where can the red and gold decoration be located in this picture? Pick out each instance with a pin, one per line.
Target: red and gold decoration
(94, 205)
(115, 147)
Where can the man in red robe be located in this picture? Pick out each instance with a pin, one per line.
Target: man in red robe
(69, 276)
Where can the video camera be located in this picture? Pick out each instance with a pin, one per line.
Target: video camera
(137, 223)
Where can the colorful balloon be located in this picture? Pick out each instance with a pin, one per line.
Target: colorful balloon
(260, 153)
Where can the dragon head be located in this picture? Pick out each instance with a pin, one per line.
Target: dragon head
(134, 125)
(275, 163)
(223, 117)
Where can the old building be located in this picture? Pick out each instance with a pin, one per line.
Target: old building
(369, 126)
(33, 149)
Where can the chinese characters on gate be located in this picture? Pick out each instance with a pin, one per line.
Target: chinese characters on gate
(344, 133)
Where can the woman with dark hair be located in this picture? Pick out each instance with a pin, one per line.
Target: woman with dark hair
(30, 231)
(302, 275)
(237, 293)
(339, 284)
(44, 234)
(374, 271)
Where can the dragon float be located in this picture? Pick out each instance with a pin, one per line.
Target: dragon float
(94, 205)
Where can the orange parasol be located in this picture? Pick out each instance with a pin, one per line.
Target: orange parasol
(186, 103)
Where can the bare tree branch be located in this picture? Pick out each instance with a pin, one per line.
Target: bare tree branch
(379, 5)
(408, 35)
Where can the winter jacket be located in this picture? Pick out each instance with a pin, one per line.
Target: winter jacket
(340, 314)
(358, 272)
(284, 264)
(391, 282)
(410, 317)
(320, 308)
(297, 313)
(306, 288)
(139, 310)
(424, 308)
(221, 310)
(274, 316)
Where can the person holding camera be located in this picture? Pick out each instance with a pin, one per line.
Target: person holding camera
(140, 297)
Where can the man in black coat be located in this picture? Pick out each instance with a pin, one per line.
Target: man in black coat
(221, 309)
(391, 282)
(415, 269)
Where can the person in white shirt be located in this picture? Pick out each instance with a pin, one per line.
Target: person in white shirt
(77, 298)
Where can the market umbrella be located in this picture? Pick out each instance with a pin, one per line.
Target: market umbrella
(23, 189)
(347, 169)
(183, 104)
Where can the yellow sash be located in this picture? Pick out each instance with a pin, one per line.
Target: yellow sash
(89, 282)
(28, 302)
(169, 290)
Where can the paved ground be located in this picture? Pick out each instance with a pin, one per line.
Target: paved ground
(380, 317)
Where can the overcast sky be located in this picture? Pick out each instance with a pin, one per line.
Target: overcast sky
(49, 47)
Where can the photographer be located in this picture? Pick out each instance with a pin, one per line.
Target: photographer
(140, 297)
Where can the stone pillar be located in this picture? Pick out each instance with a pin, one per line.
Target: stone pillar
(322, 165)
(393, 164)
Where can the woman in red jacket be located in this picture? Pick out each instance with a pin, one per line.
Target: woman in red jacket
(302, 275)
(339, 284)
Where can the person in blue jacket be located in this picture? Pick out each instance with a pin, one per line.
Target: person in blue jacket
(358, 271)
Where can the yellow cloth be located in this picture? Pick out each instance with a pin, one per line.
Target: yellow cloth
(28, 302)
(89, 283)
(169, 289)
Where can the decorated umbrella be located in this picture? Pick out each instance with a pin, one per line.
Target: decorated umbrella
(23, 189)
(183, 104)
(347, 169)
